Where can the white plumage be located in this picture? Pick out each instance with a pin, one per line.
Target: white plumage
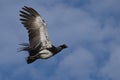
(46, 55)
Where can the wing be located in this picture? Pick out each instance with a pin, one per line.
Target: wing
(37, 29)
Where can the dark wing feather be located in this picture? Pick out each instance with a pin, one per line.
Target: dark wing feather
(36, 27)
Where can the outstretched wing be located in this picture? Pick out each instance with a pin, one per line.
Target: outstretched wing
(37, 29)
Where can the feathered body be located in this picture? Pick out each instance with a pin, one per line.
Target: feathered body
(40, 46)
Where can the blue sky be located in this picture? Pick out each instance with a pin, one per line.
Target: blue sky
(91, 29)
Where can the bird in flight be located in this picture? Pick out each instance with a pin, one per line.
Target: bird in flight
(39, 46)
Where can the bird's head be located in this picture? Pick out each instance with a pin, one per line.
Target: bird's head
(64, 46)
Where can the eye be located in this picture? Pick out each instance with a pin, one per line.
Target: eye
(43, 21)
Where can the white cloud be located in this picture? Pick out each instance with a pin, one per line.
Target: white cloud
(78, 65)
(104, 6)
(88, 35)
(111, 69)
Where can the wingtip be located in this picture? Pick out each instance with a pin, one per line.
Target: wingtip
(25, 7)
(22, 11)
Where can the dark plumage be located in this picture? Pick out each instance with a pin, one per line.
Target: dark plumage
(39, 47)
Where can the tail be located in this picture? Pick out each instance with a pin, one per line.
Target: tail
(30, 59)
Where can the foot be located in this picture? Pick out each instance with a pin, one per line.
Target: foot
(31, 57)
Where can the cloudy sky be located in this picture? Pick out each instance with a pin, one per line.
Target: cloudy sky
(91, 29)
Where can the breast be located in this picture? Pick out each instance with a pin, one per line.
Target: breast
(45, 54)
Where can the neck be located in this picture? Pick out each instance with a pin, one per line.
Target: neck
(59, 48)
(56, 50)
